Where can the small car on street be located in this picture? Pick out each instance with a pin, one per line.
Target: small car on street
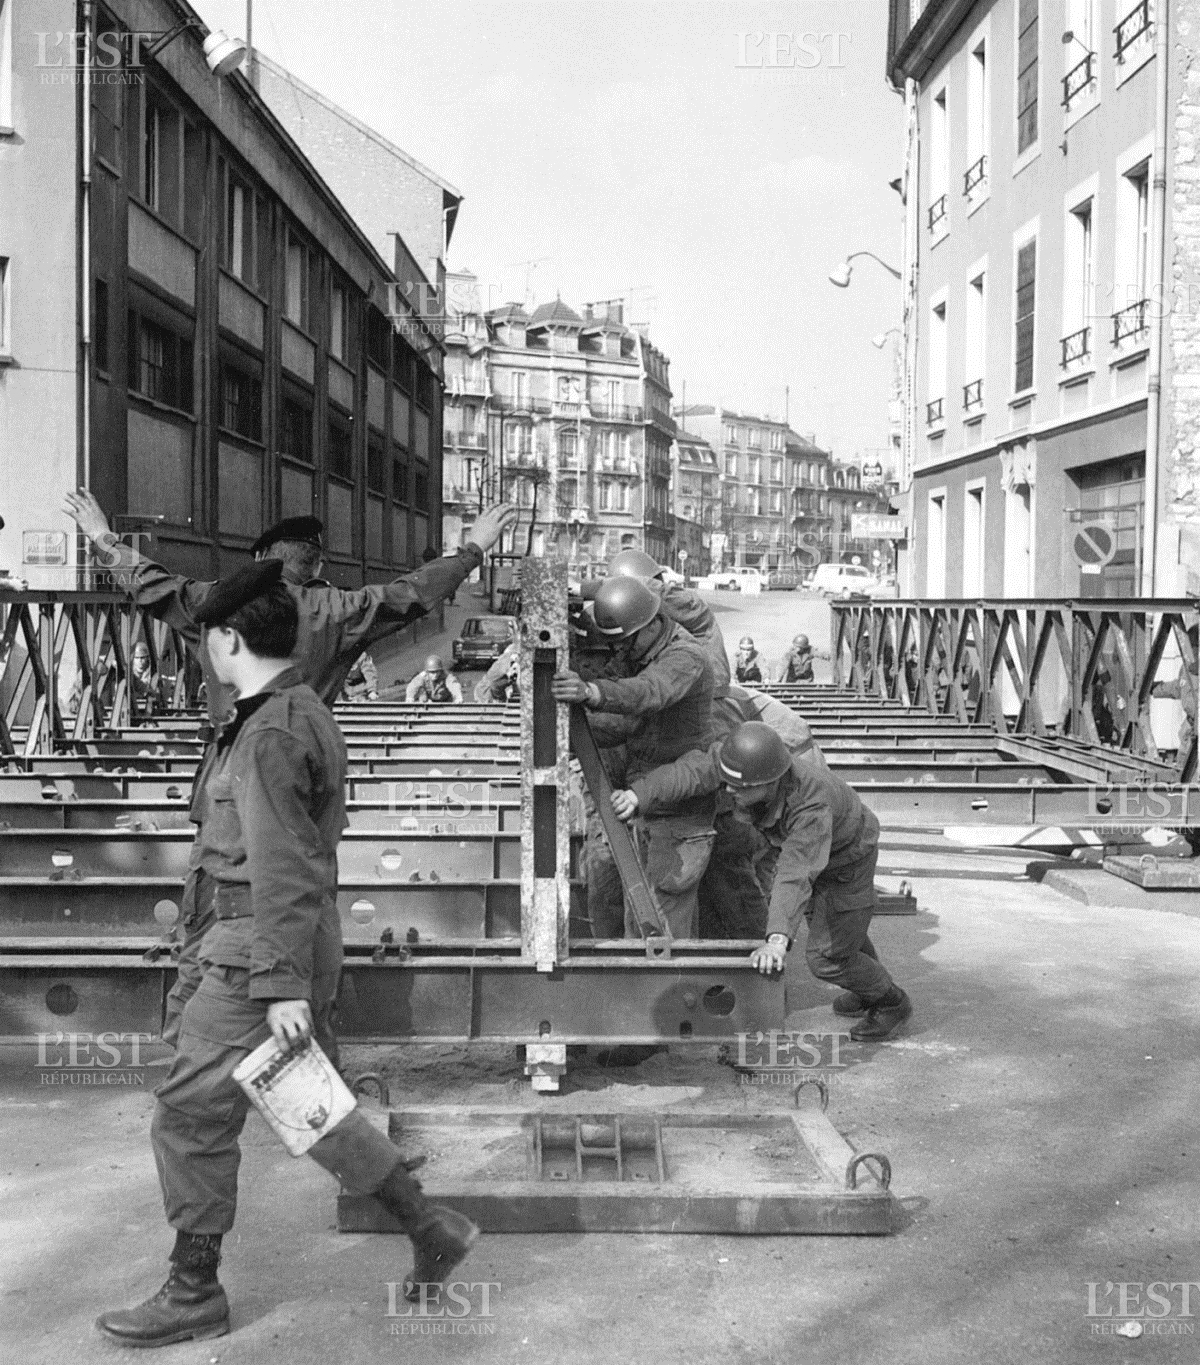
(483, 640)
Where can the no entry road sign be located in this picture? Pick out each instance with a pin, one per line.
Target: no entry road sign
(1094, 546)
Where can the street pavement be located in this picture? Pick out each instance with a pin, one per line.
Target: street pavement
(772, 618)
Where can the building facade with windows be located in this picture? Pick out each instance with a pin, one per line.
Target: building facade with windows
(775, 507)
(565, 414)
(696, 501)
(217, 357)
(1035, 223)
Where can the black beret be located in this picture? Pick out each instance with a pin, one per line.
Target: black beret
(304, 530)
(228, 594)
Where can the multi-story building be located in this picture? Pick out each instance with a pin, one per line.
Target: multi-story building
(696, 501)
(774, 490)
(1040, 249)
(565, 414)
(660, 429)
(408, 211)
(808, 495)
(755, 516)
(191, 318)
(848, 498)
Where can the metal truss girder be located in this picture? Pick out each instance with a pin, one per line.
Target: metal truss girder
(499, 816)
(460, 853)
(625, 999)
(462, 911)
(1094, 807)
(983, 773)
(460, 997)
(113, 995)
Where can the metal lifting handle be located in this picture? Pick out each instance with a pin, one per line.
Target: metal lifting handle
(885, 1169)
(812, 1080)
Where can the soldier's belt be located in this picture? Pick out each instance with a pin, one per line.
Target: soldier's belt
(231, 900)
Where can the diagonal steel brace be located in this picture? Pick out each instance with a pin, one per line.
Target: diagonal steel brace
(641, 895)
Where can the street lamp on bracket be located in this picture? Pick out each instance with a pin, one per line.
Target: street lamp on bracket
(840, 275)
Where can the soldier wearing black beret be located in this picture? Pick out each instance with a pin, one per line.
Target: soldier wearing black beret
(272, 795)
(334, 626)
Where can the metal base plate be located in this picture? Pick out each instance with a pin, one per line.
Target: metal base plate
(776, 1173)
(1157, 874)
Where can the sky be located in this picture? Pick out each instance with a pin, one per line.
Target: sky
(642, 148)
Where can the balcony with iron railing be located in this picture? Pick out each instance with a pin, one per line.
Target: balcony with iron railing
(458, 386)
(1129, 326)
(614, 412)
(1079, 84)
(973, 397)
(934, 412)
(466, 440)
(618, 466)
(506, 403)
(939, 218)
(1133, 32)
(1076, 350)
(975, 180)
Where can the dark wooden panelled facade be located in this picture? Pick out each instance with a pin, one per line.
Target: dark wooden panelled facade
(242, 367)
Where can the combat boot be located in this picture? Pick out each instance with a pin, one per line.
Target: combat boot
(883, 1018)
(441, 1238)
(191, 1306)
(847, 1003)
(439, 1245)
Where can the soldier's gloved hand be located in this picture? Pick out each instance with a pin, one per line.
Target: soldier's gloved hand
(769, 959)
(489, 526)
(290, 1022)
(569, 686)
(625, 804)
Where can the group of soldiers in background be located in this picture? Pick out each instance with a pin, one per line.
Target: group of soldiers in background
(743, 831)
(796, 666)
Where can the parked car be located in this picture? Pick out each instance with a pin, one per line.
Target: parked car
(841, 580)
(483, 640)
(669, 575)
(745, 579)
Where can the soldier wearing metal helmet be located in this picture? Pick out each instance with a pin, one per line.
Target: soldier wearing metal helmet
(658, 713)
(434, 684)
(797, 663)
(680, 604)
(747, 666)
(819, 863)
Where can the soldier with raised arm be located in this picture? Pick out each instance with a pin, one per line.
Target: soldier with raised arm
(334, 626)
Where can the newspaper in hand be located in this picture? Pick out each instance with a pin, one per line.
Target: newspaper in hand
(298, 1092)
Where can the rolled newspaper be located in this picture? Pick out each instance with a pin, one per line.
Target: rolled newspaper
(298, 1092)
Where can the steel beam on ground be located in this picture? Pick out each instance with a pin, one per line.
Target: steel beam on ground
(704, 993)
(700, 1171)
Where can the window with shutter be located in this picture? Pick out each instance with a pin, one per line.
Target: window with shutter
(1026, 278)
(1027, 74)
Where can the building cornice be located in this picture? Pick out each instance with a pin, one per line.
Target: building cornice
(1055, 427)
(937, 24)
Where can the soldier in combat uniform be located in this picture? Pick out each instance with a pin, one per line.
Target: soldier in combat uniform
(273, 788)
